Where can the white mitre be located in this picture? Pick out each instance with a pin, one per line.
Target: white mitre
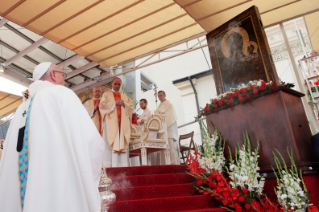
(40, 70)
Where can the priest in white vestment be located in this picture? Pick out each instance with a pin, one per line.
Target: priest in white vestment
(53, 153)
(146, 115)
(172, 130)
(92, 107)
(116, 109)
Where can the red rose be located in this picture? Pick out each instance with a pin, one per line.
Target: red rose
(313, 209)
(230, 95)
(248, 96)
(206, 108)
(262, 87)
(255, 204)
(251, 87)
(245, 190)
(202, 170)
(224, 202)
(263, 83)
(235, 190)
(239, 209)
(230, 199)
(226, 194)
(219, 189)
(199, 183)
(226, 102)
(231, 101)
(241, 99)
(215, 106)
(274, 82)
(247, 206)
(243, 90)
(220, 103)
(255, 91)
(236, 91)
(221, 184)
(205, 193)
(241, 199)
(215, 101)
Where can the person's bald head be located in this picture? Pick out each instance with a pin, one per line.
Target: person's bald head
(54, 75)
(97, 92)
(116, 84)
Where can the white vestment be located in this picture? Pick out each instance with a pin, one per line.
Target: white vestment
(172, 130)
(95, 116)
(65, 155)
(116, 138)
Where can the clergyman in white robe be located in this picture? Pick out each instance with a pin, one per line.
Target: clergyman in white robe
(172, 130)
(116, 126)
(59, 164)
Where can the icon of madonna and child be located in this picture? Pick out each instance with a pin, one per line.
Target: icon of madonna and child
(239, 57)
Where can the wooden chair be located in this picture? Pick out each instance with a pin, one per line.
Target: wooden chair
(144, 145)
(183, 149)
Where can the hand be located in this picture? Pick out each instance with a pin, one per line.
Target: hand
(96, 107)
(120, 102)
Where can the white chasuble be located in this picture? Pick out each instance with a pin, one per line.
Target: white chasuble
(116, 128)
(95, 115)
(172, 130)
(65, 154)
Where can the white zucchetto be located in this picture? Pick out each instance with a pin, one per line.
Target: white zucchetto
(40, 70)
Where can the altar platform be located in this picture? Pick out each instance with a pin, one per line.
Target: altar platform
(169, 188)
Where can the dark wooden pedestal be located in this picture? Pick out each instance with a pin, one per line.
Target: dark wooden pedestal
(277, 120)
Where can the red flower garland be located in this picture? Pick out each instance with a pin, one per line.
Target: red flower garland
(240, 95)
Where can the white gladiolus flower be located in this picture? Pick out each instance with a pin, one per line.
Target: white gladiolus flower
(283, 196)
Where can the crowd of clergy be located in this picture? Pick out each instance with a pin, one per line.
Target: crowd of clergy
(111, 113)
(55, 146)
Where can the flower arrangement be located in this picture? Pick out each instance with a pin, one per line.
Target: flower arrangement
(242, 189)
(290, 195)
(243, 170)
(242, 94)
(212, 155)
(228, 190)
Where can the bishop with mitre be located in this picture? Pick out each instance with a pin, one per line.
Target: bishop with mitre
(167, 108)
(92, 107)
(116, 109)
(53, 154)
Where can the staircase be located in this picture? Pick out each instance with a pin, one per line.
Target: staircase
(169, 188)
(157, 188)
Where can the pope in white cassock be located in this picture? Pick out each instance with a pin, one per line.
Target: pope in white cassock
(92, 107)
(53, 153)
(116, 109)
(172, 130)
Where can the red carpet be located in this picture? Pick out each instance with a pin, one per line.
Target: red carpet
(169, 188)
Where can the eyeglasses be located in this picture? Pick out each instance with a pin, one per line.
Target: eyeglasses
(63, 74)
